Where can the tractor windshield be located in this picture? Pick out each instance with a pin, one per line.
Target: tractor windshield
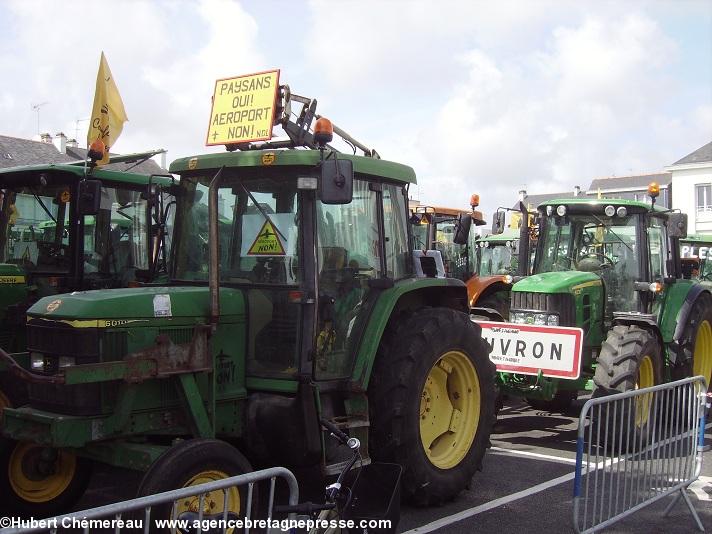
(596, 243)
(36, 227)
(496, 258)
(257, 225)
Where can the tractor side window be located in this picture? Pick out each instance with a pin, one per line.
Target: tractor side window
(116, 239)
(658, 249)
(348, 256)
(396, 232)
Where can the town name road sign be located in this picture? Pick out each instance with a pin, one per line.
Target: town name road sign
(243, 108)
(528, 349)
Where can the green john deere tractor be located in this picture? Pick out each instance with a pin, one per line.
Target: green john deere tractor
(299, 303)
(612, 269)
(48, 245)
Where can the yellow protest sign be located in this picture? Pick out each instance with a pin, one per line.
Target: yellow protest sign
(243, 108)
(267, 242)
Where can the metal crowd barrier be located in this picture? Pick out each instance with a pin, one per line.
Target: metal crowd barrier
(117, 514)
(636, 448)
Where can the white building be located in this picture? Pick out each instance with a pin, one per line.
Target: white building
(692, 189)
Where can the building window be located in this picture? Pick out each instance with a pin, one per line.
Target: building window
(704, 198)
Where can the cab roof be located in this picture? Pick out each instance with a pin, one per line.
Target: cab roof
(77, 172)
(634, 206)
(293, 157)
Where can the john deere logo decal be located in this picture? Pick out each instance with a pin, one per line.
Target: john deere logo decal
(54, 305)
(192, 164)
(268, 159)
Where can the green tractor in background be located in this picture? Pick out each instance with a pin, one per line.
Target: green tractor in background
(48, 247)
(696, 256)
(300, 304)
(612, 269)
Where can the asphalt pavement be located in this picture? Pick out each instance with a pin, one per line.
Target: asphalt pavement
(526, 485)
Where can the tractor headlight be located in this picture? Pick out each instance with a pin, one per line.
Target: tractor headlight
(540, 318)
(37, 361)
(517, 317)
(552, 320)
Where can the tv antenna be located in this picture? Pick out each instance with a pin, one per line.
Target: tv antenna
(76, 127)
(36, 107)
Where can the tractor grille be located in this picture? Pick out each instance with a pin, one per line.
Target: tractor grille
(561, 303)
(53, 341)
(64, 340)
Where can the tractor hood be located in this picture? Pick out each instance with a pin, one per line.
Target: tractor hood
(556, 282)
(11, 273)
(137, 303)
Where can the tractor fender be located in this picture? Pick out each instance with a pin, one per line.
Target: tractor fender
(406, 296)
(490, 313)
(683, 314)
(647, 322)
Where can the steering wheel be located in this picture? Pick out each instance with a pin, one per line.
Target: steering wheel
(606, 263)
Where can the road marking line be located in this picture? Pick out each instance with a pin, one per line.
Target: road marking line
(470, 512)
(535, 455)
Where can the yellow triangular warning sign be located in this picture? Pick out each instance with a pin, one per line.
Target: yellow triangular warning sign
(267, 242)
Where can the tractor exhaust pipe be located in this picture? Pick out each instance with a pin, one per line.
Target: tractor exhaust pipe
(214, 247)
(523, 268)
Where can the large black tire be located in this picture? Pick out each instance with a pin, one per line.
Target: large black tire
(696, 342)
(560, 403)
(420, 357)
(193, 462)
(630, 358)
(40, 482)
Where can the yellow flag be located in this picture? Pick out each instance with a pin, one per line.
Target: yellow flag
(107, 114)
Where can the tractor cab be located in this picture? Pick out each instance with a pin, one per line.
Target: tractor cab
(617, 244)
(436, 228)
(497, 254)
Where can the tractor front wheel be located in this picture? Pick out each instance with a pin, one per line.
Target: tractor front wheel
(630, 359)
(192, 462)
(40, 481)
(432, 401)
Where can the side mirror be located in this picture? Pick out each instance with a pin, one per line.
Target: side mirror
(462, 229)
(677, 225)
(337, 181)
(515, 246)
(498, 222)
(89, 200)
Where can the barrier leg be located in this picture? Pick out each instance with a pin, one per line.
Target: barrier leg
(676, 497)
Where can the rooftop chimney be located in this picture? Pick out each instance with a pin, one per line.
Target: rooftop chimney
(577, 190)
(522, 195)
(72, 143)
(60, 141)
(46, 138)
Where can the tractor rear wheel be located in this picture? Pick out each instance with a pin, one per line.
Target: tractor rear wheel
(40, 481)
(697, 342)
(432, 401)
(630, 359)
(193, 462)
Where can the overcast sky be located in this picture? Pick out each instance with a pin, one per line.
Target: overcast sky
(478, 96)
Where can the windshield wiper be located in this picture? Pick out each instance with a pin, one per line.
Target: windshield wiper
(37, 197)
(262, 211)
(611, 231)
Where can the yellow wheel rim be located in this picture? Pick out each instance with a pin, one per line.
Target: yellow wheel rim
(449, 410)
(702, 357)
(646, 379)
(38, 474)
(214, 502)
